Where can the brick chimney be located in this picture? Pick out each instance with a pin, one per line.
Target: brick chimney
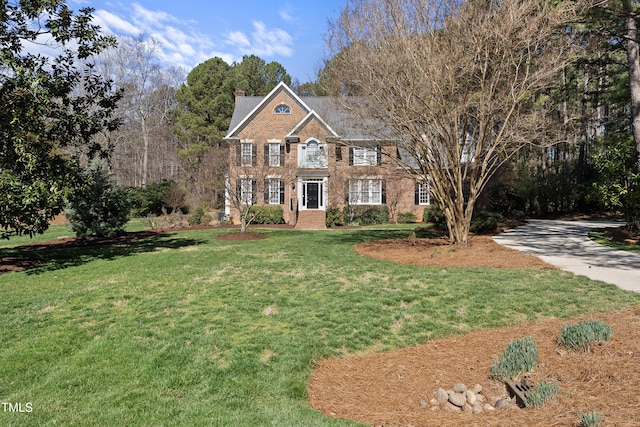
(238, 94)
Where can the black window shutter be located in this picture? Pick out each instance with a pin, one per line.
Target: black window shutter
(282, 191)
(266, 155)
(238, 154)
(253, 155)
(281, 154)
(239, 189)
(379, 155)
(338, 153)
(350, 156)
(266, 191)
(417, 194)
(383, 184)
(254, 191)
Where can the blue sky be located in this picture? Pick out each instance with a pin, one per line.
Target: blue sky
(191, 31)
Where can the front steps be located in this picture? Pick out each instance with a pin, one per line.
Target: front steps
(311, 220)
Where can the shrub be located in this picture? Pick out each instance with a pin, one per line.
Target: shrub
(266, 214)
(541, 394)
(580, 336)
(519, 357)
(335, 217)
(433, 214)
(99, 209)
(366, 215)
(152, 200)
(590, 419)
(487, 222)
(406, 218)
(197, 216)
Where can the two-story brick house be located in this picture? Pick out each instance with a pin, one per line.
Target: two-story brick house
(302, 153)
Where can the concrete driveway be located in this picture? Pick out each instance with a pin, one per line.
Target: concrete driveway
(565, 244)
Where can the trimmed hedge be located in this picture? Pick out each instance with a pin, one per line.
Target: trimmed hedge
(259, 214)
(366, 214)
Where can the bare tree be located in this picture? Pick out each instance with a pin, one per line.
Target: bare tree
(145, 142)
(460, 84)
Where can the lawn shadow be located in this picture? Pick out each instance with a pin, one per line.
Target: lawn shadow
(369, 233)
(36, 258)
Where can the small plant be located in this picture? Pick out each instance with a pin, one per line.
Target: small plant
(580, 336)
(541, 394)
(519, 357)
(487, 222)
(590, 419)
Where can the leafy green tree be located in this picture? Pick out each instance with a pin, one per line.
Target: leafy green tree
(618, 186)
(99, 209)
(52, 106)
(256, 78)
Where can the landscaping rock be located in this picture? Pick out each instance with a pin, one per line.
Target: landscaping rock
(459, 388)
(477, 389)
(502, 403)
(471, 397)
(458, 399)
(442, 395)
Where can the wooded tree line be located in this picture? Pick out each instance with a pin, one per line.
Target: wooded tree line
(534, 105)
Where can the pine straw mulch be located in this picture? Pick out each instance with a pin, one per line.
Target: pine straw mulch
(392, 388)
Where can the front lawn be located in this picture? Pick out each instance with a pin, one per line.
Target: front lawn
(183, 329)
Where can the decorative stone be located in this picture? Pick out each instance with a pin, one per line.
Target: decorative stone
(480, 398)
(453, 407)
(434, 402)
(467, 408)
(477, 389)
(471, 397)
(424, 403)
(501, 403)
(442, 395)
(459, 388)
(488, 407)
(477, 408)
(458, 399)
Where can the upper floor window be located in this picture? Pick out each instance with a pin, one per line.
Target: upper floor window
(274, 154)
(312, 155)
(247, 154)
(282, 109)
(364, 156)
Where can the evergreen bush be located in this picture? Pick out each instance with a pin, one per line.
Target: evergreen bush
(433, 214)
(99, 209)
(334, 217)
(266, 214)
(366, 214)
(580, 336)
(487, 222)
(519, 357)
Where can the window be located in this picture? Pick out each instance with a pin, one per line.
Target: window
(282, 109)
(274, 191)
(247, 154)
(274, 154)
(423, 197)
(312, 155)
(365, 192)
(247, 187)
(364, 156)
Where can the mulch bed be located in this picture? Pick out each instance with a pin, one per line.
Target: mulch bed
(390, 389)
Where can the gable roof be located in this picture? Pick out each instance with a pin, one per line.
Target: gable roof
(324, 108)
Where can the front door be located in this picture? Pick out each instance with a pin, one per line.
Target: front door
(312, 195)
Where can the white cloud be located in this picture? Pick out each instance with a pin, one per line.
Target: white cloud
(263, 41)
(286, 16)
(113, 24)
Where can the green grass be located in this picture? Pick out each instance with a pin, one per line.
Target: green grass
(183, 329)
(601, 238)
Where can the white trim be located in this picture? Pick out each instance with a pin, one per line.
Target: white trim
(265, 100)
(306, 118)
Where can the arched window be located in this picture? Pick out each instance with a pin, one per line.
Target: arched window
(282, 109)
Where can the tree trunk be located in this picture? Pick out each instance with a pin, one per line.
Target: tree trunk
(633, 57)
